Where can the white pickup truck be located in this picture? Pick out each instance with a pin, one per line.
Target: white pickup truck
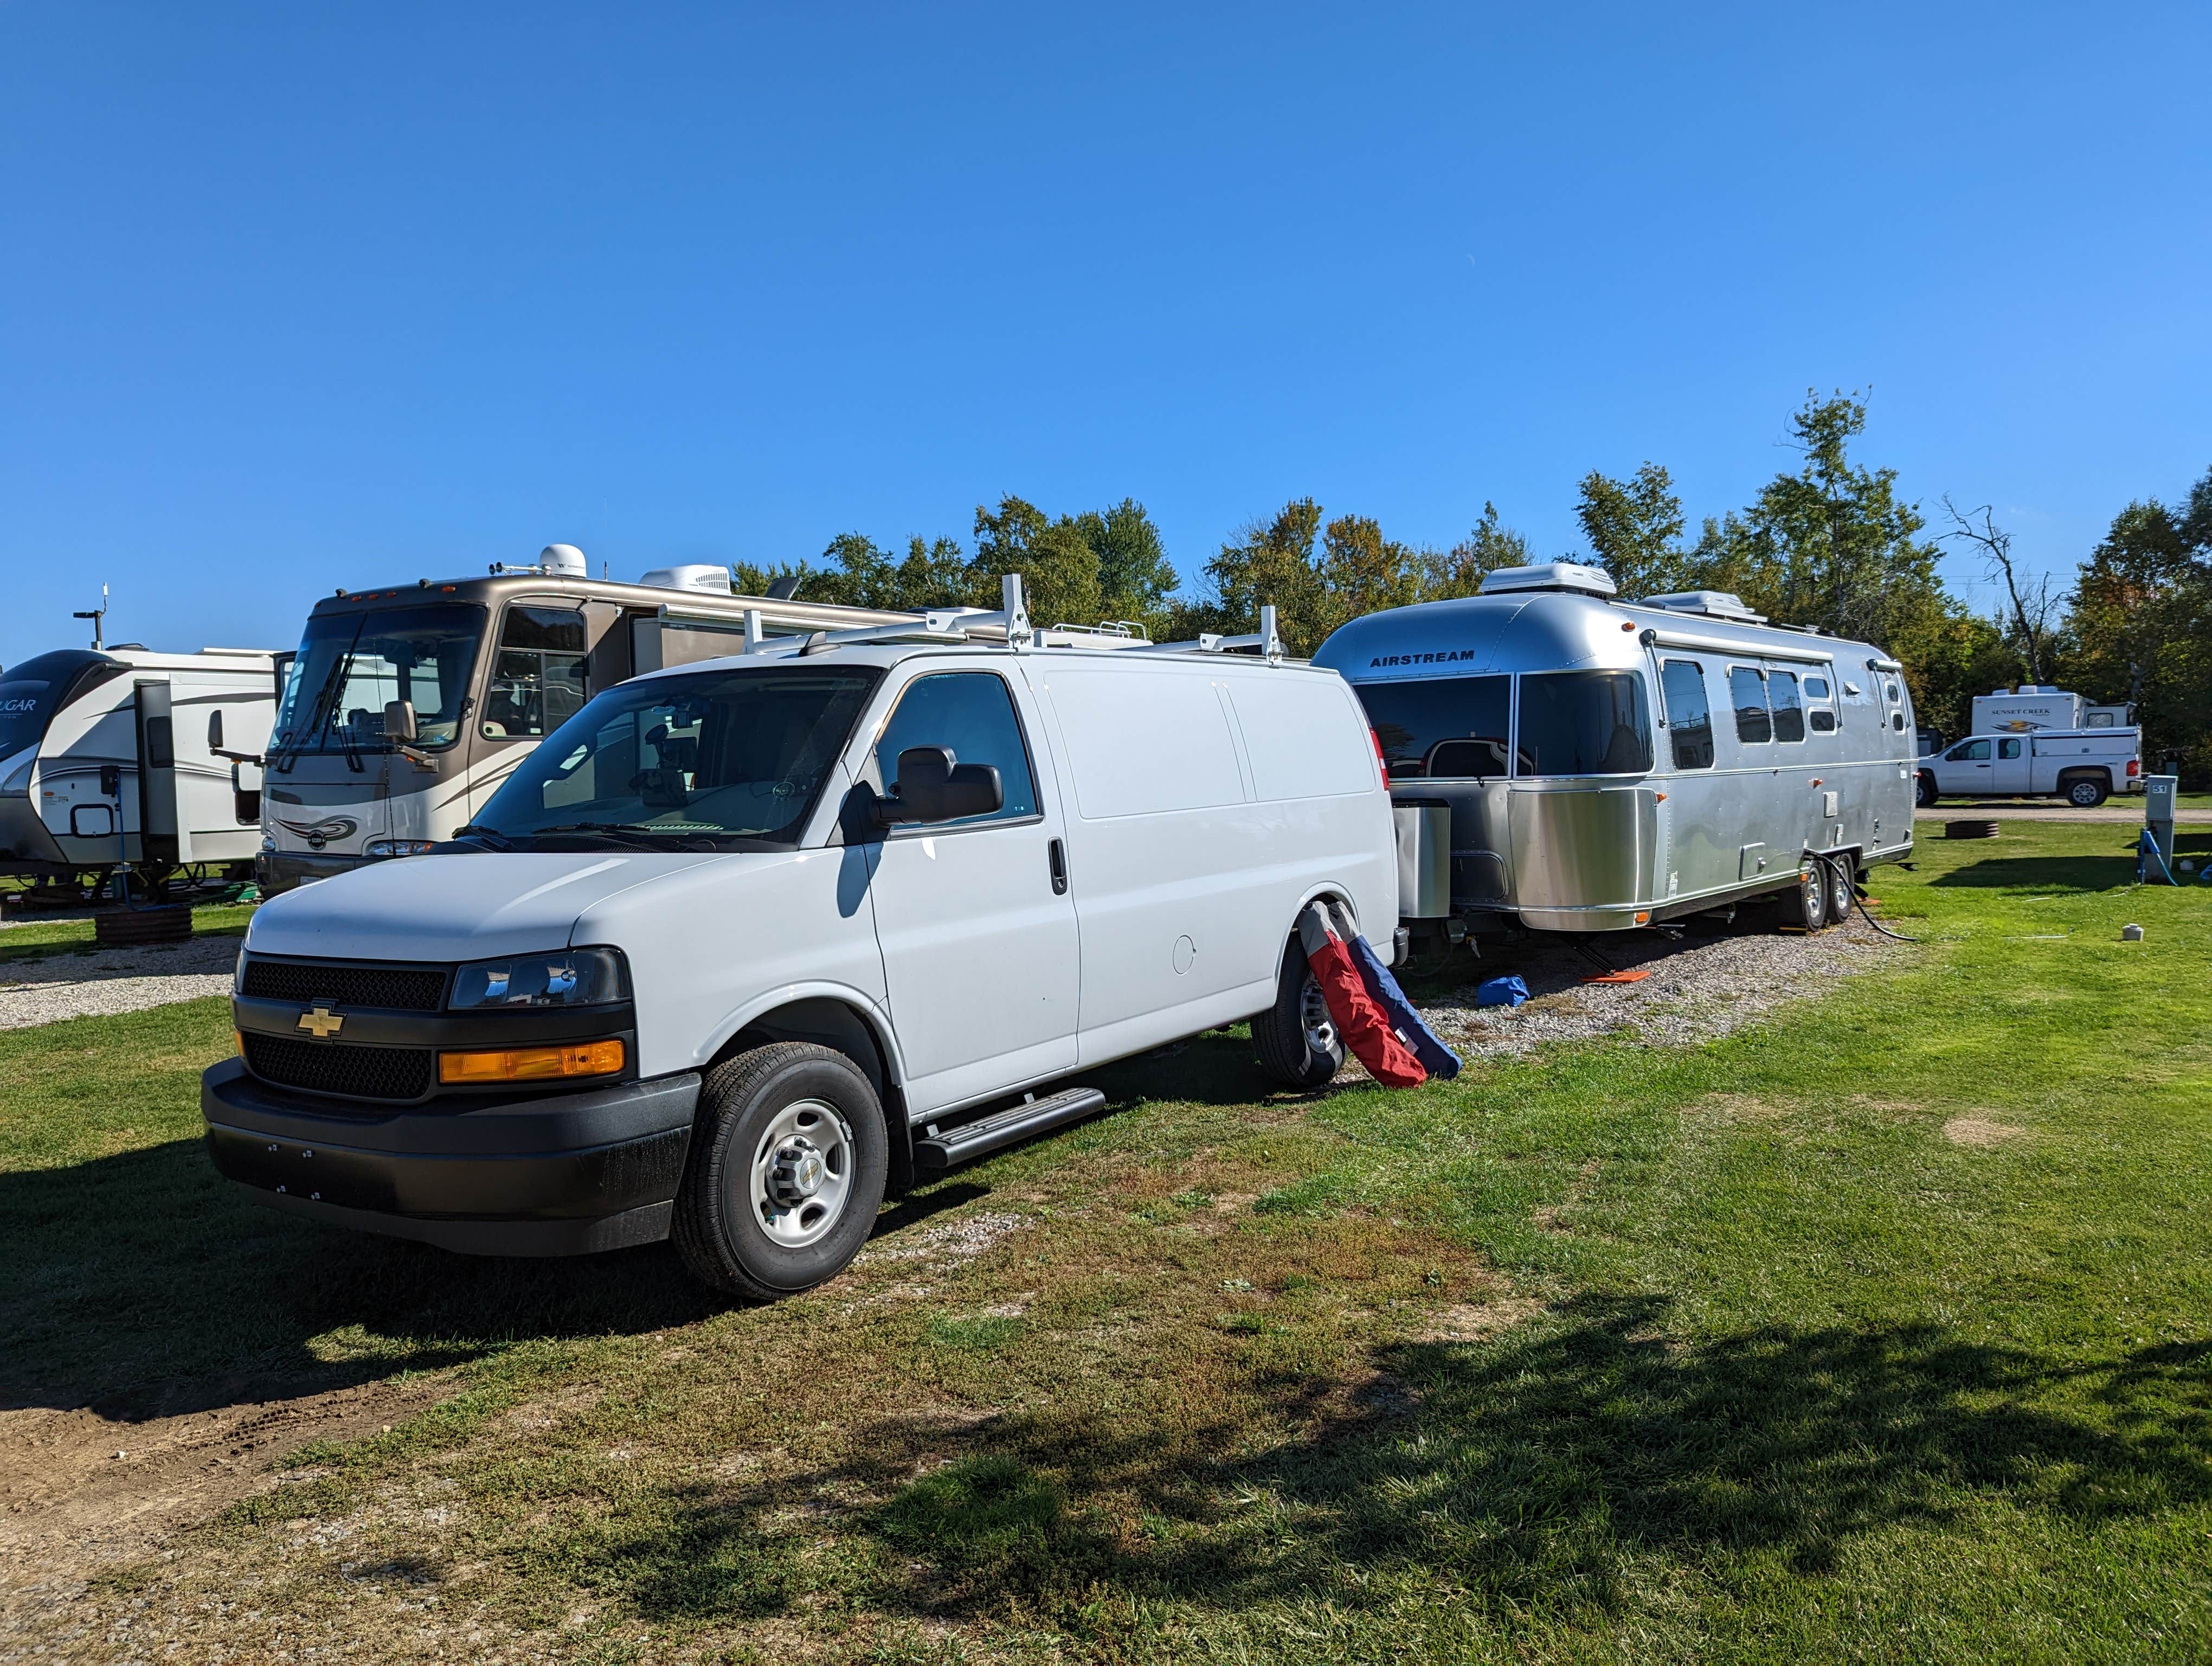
(2082, 766)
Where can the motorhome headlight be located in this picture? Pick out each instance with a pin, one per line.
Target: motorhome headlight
(395, 847)
(565, 977)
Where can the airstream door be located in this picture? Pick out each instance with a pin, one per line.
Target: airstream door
(1699, 858)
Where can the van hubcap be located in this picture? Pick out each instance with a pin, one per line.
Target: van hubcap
(1314, 1018)
(802, 1173)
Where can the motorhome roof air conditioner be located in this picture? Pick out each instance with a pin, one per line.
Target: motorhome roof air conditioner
(1711, 604)
(701, 578)
(1559, 576)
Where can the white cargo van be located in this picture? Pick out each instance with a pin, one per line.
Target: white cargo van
(745, 943)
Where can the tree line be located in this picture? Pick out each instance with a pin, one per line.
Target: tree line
(1828, 544)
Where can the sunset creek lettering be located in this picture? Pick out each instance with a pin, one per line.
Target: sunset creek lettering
(1421, 659)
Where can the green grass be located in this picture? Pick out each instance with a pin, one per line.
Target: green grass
(36, 938)
(1879, 1332)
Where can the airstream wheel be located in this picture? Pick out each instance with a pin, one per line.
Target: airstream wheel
(1807, 906)
(1843, 887)
(1295, 1040)
(789, 1158)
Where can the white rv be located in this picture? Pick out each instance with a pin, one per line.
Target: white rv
(120, 759)
(2017, 711)
(745, 943)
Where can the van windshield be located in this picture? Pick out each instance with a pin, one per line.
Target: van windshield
(352, 663)
(722, 760)
(34, 690)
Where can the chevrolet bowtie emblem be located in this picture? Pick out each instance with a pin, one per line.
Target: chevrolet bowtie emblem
(322, 1023)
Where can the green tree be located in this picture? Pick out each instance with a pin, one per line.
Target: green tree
(1459, 571)
(1059, 568)
(1135, 577)
(1635, 530)
(1270, 561)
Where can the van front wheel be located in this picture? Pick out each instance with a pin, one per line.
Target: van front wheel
(1295, 1040)
(789, 1158)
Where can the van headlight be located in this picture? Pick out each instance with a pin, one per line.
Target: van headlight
(565, 977)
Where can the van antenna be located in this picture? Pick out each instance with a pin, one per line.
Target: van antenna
(98, 617)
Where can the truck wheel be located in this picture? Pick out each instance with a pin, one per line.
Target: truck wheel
(789, 1157)
(1843, 887)
(1807, 906)
(1923, 792)
(1295, 1040)
(2085, 793)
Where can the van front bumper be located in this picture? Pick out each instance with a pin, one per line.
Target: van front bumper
(564, 1174)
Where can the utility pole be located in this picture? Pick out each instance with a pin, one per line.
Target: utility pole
(98, 617)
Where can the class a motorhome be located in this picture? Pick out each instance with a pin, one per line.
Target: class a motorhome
(409, 705)
(752, 940)
(121, 758)
(1566, 761)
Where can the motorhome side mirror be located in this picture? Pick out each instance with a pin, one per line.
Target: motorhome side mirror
(934, 786)
(399, 721)
(215, 730)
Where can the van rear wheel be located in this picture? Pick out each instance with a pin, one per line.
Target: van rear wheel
(1295, 1040)
(789, 1158)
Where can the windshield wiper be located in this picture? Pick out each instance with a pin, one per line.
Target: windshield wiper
(641, 836)
(488, 835)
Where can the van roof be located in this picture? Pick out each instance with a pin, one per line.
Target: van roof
(883, 655)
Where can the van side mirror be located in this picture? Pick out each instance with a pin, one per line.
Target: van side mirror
(934, 786)
(399, 721)
(215, 730)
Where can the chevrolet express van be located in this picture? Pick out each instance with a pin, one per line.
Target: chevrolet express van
(744, 944)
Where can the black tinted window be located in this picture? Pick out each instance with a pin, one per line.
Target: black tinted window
(1748, 691)
(1584, 723)
(1452, 727)
(970, 712)
(1789, 712)
(1822, 720)
(1689, 718)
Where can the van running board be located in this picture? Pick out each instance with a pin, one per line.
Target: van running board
(1005, 1128)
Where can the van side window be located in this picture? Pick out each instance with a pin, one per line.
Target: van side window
(1441, 726)
(972, 713)
(1583, 723)
(1789, 713)
(537, 680)
(1689, 718)
(1748, 691)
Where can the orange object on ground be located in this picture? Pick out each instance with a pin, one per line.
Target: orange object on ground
(1618, 977)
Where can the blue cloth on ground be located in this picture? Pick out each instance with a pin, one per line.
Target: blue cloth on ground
(1501, 992)
(1428, 1047)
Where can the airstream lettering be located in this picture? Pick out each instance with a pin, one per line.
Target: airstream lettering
(1609, 765)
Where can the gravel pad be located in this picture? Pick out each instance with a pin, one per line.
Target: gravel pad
(76, 985)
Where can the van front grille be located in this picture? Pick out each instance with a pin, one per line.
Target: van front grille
(395, 988)
(357, 1073)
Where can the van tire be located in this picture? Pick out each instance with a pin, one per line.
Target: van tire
(1282, 1039)
(789, 1087)
(1806, 905)
(1843, 887)
(2085, 792)
(1924, 791)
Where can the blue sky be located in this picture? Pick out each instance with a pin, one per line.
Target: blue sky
(299, 296)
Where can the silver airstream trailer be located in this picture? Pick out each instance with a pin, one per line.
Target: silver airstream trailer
(1563, 761)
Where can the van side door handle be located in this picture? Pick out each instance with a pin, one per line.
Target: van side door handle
(1056, 858)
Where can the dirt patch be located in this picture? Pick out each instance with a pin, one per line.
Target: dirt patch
(1980, 1131)
(104, 982)
(941, 1248)
(79, 1492)
(1477, 1321)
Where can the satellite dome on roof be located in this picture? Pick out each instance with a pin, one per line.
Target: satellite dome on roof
(1569, 575)
(564, 559)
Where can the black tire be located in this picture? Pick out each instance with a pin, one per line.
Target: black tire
(1924, 791)
(1807, 905)
(1843, 886)
(724, 1233)
(1290, 1047)
(2086, 792)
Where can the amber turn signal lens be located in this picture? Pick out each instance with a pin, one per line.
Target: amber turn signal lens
(530, 1064)
(240, 1036)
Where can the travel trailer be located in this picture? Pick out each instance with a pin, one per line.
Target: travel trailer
(1586, 764)
(409, 705)
(122, 758)
(749, 941)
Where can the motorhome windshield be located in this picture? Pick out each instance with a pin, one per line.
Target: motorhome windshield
(352, 664)
(34, 689)
(716, 760)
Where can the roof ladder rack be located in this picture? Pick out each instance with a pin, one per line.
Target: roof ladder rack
(1266, 639)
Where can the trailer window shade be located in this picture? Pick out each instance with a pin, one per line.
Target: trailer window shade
(1747, 692)
(1782, 699)
(1584, 723)
(1689, 716)
(1442, 728)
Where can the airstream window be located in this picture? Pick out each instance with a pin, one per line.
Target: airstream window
(1748, 690)
(1816, 687)
(1442, 727)
(1789, 714)
(1584, 723)
(1689, 717)
(1822, 720)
